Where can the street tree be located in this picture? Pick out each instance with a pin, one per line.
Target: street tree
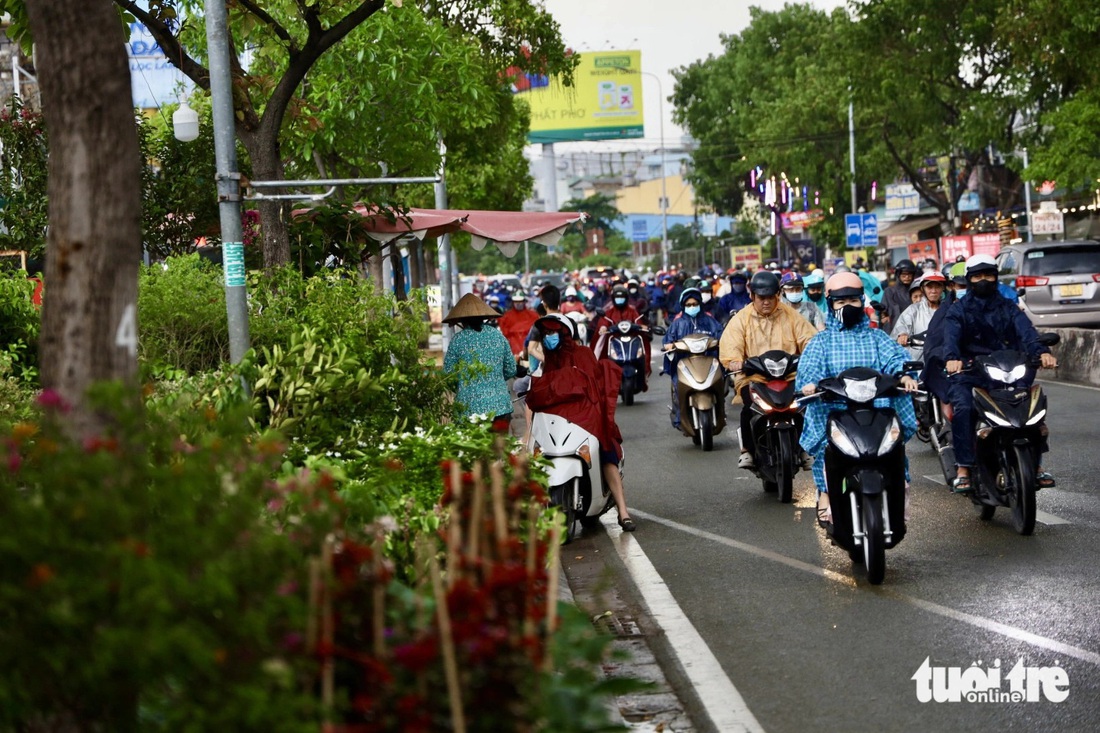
(89, 327)
(285, 41)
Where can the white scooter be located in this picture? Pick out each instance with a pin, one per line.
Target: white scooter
(576, 481)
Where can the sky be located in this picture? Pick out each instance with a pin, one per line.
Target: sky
(669, 33)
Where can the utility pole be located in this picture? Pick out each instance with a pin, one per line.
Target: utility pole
(1027, 196)
(852, 150)
(446, 291)
(228, 179)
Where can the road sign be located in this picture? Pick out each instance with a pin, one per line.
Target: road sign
(861, 230)
(640, 230)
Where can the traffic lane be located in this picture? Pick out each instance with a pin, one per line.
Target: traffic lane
(947, 554)
(814, 653)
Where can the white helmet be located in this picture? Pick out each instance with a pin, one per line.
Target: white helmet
(980, 263)
(570, 291)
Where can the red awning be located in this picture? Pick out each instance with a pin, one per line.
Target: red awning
(506, 229)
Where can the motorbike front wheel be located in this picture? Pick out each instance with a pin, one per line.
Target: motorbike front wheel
(565, 496)
(784, 469)
(1021, 477)
(628, 391)
(706, 430)
(874, 540)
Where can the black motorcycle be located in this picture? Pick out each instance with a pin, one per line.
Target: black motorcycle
(865, 467)
(1010, 429)
(776, 420)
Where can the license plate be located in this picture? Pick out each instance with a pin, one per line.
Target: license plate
(1071, 291)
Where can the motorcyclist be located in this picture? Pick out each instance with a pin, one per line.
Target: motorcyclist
(636, 298)
(981, 323)
(572, 302)
(766, 325)
(516, 323)
(736, 299)
(794, 295)
(814, 284)
(896, 298)
(848, 341)
(917, 317)
(691, 320)
(621, 310)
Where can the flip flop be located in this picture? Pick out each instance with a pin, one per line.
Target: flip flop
(627, 524)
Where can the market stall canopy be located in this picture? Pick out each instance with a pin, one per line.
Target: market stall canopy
(506, 229)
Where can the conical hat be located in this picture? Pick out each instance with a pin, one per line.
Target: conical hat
(470, 306)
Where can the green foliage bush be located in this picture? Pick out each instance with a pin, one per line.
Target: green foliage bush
(20, 323)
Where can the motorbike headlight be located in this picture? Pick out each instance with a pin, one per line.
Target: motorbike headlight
(838, 438)
(1009, 376)
(1037, 416)
(890, 439)
(995, 419)
(776, 368)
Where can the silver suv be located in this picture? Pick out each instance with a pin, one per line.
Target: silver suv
(1059, 282)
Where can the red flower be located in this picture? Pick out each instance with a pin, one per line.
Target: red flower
(418, 656)
(50, 399)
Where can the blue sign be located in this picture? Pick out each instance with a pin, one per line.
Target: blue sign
(640, 231)
(861, 230)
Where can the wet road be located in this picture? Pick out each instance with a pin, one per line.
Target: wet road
(810, 645)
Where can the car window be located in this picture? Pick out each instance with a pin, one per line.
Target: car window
(1008, 263)
(1071, 260)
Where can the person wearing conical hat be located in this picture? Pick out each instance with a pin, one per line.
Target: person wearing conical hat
(483, 362)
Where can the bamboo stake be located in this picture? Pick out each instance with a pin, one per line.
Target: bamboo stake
(500, 520)
(378, 604)
(450, 665)
(553, 573)
(473, 539)
(532, 551)
(314, 604)
(328, 669)
(454, 528)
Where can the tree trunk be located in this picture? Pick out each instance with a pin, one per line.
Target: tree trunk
(89, 319)
(398, 273)
(415, 280)
(263, 152)
(375, 264)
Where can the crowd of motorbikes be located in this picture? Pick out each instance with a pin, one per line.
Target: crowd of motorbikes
(865, 464)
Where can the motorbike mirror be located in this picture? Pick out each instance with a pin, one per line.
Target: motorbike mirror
(878, 307)
(912, 366)
(1049, 338)
(1021, 292)
(660, 331)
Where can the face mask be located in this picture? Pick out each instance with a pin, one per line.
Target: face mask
(738, 287)
(795, 297)
(706, 297)
(815, 295)
(620, 301)
(983, 288)
(520, 306)
(849, 315)
(551, 341)
(571, 298)
(692, 310)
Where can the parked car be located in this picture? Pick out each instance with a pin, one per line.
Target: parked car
(1058, 282)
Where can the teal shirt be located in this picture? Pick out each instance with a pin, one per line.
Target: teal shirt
(484, 363)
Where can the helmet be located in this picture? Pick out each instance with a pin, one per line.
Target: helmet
(764, 283)
(842, 268)
(549, 324)
(691, 293)
(791, 278)
(570, 291)
(915, 285)
(906, 266)
(958, 273)
(692, 282)
(933, 276)
(618, 290)
(519, 295)
(844, 285)
(738, 276)
(773, 265)
(814, 278)
(980, 263)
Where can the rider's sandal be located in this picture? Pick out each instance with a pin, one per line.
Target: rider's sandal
(961, 485)
(825, 518)
(1045, 480)
(627, 524)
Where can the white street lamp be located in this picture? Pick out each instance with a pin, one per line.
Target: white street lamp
(185, 123)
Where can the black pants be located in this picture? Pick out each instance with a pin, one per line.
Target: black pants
(747, 442)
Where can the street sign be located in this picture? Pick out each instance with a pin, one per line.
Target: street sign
(861, 230)
(1048, 219)
(640, 230)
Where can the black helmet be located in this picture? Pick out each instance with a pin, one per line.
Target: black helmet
(764, 283)
(619, 290)
(906, 266)
(691, 293)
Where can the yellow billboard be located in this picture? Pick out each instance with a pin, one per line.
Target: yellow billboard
(604, 103)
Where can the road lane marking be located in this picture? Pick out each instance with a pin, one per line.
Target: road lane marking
(1040, 516)
(978, 621)
(721, 701)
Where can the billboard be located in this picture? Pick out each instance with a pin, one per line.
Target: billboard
(153, 79)
(604, 103)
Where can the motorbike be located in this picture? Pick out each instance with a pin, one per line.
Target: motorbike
(776, 420)
(701, 390)
(864, 467)
(625, 348)
(575, 476)
(1010, 431)
(580, 325)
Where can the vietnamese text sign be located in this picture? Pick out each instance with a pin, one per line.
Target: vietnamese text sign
(1048, 219)
(901, 200)
(986, 244)
(604, 103)
(925, 249)
(746, 256)
(953, 247)
(233, 262)
(801, 219)
(639, 231)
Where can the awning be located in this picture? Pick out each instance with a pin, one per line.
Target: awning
(905, 232)
(506, 229)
